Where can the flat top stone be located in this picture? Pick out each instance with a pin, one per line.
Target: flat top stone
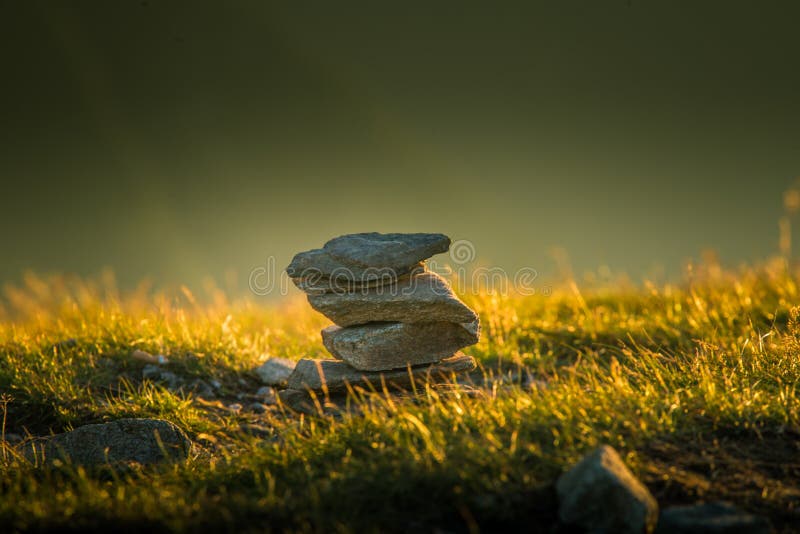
(355, 256)
(386, 250)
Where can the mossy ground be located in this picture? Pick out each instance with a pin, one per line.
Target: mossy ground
(696, 384)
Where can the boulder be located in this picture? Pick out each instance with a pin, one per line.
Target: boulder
(335, 375)
(366, 257)
(710, 518)
(144, 441)
(600, 494)
(385, 346)
(425, 297)
(275, 371)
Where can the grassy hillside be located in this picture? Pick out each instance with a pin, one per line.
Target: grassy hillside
(696, 384)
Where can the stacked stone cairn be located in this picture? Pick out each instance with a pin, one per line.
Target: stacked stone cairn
(396, 323)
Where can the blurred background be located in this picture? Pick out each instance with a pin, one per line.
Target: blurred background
(179, 140)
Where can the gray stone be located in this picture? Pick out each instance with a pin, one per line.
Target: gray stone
(599, 493)
(386, 250)
(335, 375)
(257, 407)
(267, 395)
(711, 518)
(425, 297)
(202, 389)
(365, 257)
(151, 372)
(385, 346)
(314, 285)
(145, 441)
(275, 371)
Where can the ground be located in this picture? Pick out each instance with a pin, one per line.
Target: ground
(695, 383)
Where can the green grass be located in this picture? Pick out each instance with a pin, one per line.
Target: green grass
(695, 384)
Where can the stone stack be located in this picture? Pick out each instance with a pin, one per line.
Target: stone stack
(395, 321)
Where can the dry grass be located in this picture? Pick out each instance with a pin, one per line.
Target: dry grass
(696, 384)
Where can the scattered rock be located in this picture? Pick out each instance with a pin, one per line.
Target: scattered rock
(13, 438)
(600, 494)
(710, 518)
(335, 375)
(235, 407)
(202, 389)
(257, 407)
(267, 395)
(148, 358)
(275, 371)
(151, 372)
(384, 346)
(145, 441)
(421, 298)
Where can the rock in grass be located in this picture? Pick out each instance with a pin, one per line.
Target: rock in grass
(367, 256)
(425, 297)
(335, 375)
(275, 371)
(711, 518)
(144, 441)
(385, 346)
(600, 494)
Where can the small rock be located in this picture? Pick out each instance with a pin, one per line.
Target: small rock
(711, 518)
(384, 346)
(257, 407)
(143, 356)
(216, 384)
(235, 407)
(172, 380)
(202, 389)
(13, 438)
(275, 371)
(267, 395)
(151, 372)
(335, 375)
(599, 493)
(144, 441)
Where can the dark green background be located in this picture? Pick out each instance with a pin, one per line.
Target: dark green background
(177, 140)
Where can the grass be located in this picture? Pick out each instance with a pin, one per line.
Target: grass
(695, 384)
